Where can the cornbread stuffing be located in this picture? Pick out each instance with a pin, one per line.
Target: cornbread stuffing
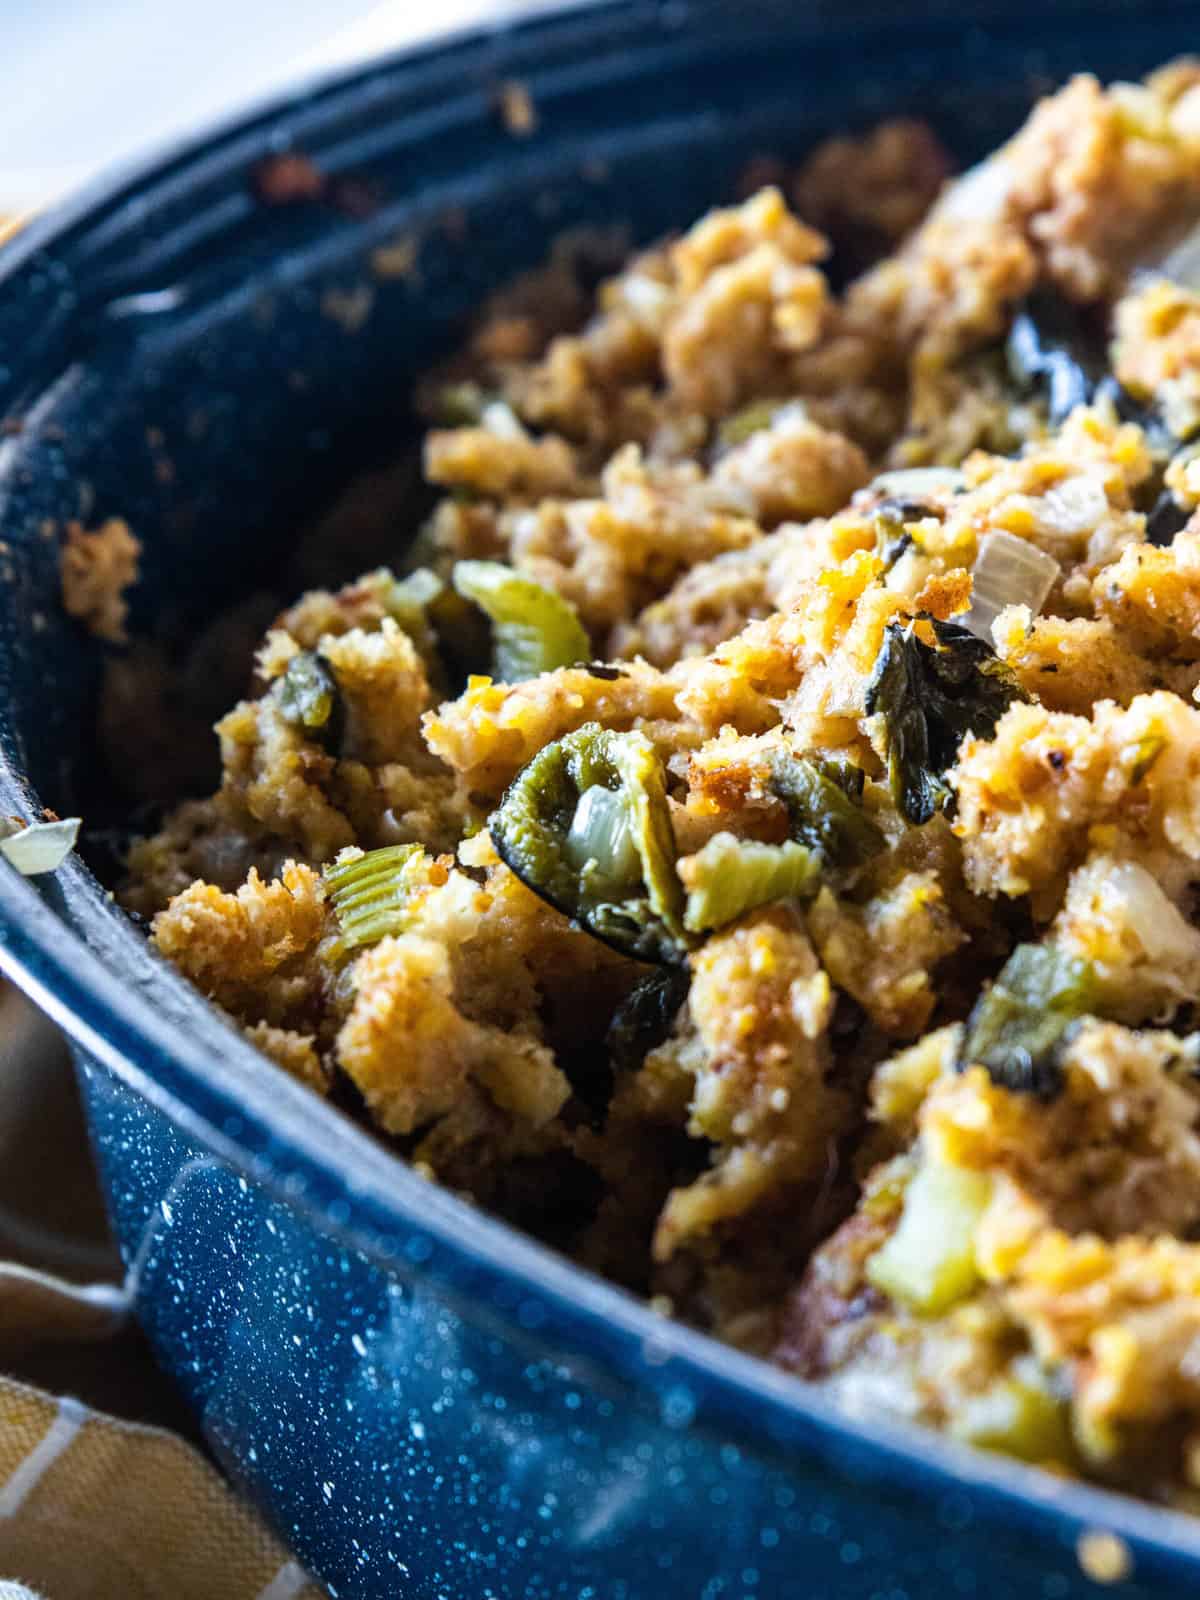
(755, 842)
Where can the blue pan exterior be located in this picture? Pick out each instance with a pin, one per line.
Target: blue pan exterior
(424, 1403)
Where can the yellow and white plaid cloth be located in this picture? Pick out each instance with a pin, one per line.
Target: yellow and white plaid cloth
(93, 1507)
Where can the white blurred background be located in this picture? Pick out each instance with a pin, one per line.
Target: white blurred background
(85, 83)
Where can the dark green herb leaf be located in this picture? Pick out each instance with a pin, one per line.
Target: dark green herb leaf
(1160, 441)
(931, 697)
(616, 877)
(1055, 350)
(645, 1017)
(1165, 519)
(1018, 1025)
(893, 537)
(309, 697)
(841, 771)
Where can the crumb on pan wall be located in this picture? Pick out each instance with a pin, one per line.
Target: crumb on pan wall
(95, 570)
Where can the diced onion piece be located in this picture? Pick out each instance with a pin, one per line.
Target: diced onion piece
(600, 838)
(730, 876)
(1008, 572)
(929, 1261)
(498, 417)
(646, 297)
(1075, 506)
(40, 847)
(913, 482)
(1131, 896)
(979, 195)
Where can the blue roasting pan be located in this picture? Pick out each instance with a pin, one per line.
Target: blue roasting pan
(423, 1402)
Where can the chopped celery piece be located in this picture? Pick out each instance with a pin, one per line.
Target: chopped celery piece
(1017, 1416)
(408, 602)
(38, 847)
(371, 893)
(1017, 1025)
(310, 698)
(538, 832)
(928, 1263)
(533, 629)
(751, 419)
(730, 876)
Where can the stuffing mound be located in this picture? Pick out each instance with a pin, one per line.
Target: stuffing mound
(755, 844)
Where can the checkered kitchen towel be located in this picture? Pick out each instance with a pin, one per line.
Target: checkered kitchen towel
(96, 1509)
(93, 1507)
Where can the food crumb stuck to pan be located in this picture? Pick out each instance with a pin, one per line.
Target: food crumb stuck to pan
(96, 569)
(349, 308)
(750, 841)
(292, 178)
(517, 110)
(287, 178)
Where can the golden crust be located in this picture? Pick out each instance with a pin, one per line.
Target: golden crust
(1031, 798)
(295, 1052)
(248, 950)
(755, 1045)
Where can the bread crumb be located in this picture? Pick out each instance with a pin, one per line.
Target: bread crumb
(349, 308)
(95, 570)
(287, 178)
(396, 259)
